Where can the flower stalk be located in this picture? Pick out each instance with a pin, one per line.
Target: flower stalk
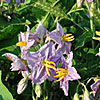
(91, 21)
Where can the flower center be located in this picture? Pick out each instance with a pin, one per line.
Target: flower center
(21, 44)
(48, 64)
(68, 37)
(61, 73)
(24, 62)
(97, 80)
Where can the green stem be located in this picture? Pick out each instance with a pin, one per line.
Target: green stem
(49, 12)
(1, 3)
(91, 22)
(33, 96)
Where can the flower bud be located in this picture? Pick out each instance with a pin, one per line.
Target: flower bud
(38, 90)
(76, 96)
(22, 85)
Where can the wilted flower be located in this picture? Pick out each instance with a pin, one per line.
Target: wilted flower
(63, 40)
(96, 88)
(22, 85)
(65, 74)
(17, 62)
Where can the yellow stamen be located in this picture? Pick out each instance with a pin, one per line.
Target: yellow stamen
(67, 35)
(47, 70)
(61, 73)
(69, 40)
(98, 33)
(21, 44)
(19, 72)
(60, 79)
(71, 37)
(50, 62)
(96, 38)
(50, 66)
(96, 79)
(61, 69)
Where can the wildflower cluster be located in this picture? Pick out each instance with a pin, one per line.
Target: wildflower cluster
(42, 64)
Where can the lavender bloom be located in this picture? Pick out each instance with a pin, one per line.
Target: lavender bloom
(18, 64)
(24, 42)
(96, 89)
(90, 0)
(42, 63)
(39, 34)
(80, 2)
(17, 1)
(98, 54)
(66, 73)
(61, 39)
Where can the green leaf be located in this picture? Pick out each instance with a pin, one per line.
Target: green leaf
(86, 36)
(9, 45)
(4, 92)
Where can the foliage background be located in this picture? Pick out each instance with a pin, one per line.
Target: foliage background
(73, 19)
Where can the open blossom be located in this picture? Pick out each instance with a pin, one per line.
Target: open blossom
(96, 88)
(39, 34)
(66, 73)
(43, 63)
(24, 42)
(62, 39)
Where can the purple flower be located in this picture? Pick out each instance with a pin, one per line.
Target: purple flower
(42, 63)
(18, 64)
(80, 2)
(66, 73)
(90, 0)
(39, 34)
(98, 54)
(96, 89)
(24, 42)
(63, 40)
(17, 1)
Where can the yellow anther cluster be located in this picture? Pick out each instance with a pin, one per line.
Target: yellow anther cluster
(61, 73)
(48, 64)
(68, 37)
(96, 79)
(97, 38)
(21, 44)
